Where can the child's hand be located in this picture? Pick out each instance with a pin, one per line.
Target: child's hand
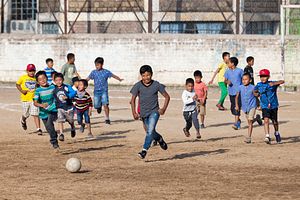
(135, 116)
(121, 79)
(64, 97)
(195, 98)
(202, 102)
(90, 113)
(237, 108)
(229, 83)
(44, 105)
(161, 111)
(271, 84)
(210, 82)
(24, 92)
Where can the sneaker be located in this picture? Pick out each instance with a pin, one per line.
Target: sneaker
(61, 137)
(99, 110)
(163, 144)
(278, 138)
(236, 126)
(82, 128)
(186, 132)
(39, 131)
(107, 121)
(73, 133)
(202, 126)
(268, 139)
(220, 107)
(248, 140)
(23, 124)
(198, 136)
(55, 146)
(259, 120)
(154, 143)
(142, 154)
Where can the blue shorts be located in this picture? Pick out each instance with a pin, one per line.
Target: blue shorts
(100, 98)
(85, 115)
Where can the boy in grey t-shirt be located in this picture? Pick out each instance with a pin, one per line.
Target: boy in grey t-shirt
(69, 69)
(147, 91)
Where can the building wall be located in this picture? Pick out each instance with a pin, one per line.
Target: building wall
(173, 57)
(262, 6)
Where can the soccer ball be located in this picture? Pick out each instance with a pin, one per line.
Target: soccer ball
(73, 165)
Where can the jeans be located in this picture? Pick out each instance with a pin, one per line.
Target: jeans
(100, 98)
(224, 92)
(150, 123)
(49, 125)
(191, 117)
(84, 114)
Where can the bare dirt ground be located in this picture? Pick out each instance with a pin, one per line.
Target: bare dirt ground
(219, 166)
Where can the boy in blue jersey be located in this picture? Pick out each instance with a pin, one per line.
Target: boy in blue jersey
(267, 92)
(49, 70)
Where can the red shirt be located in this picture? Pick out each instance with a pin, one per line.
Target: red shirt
(200, 89)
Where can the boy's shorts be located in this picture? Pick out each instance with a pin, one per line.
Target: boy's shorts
(251, 114)
(29, 109)
(233, 103)
(270, 113)
(65, 115)
(100, 98)
(201, 109)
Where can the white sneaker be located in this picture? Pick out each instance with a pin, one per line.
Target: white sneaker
(268, 139)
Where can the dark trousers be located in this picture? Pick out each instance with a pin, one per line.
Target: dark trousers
(191, 117)
(49, 125)
(233, 103)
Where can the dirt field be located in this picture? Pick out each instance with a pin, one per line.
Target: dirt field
(219, 166)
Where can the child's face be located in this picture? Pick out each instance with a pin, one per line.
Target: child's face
(31, 73)
(50, 64)
(264, 79)
(42, 80)
(99, 66)
(72, 60)
(146, 77)
(81, 86)
(189, 87)
(251, 62)
(198, 79)
(76, 83)
(246, 80)
(231, 65)
(226, 58)
(58, 81)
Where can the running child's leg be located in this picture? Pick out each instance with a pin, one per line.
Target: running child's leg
(196, 123)
(80, 121)
(274, 118)
(26, 114)
(69, 114)
(88, 123)
(188, 122)
(105, 103)
(267, 130)
(49, 125)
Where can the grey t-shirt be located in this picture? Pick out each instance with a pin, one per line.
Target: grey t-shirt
(68, 70)
(148, 96)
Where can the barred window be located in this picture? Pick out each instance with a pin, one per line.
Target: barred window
(264, 28)
(23, 9)
(50, 28)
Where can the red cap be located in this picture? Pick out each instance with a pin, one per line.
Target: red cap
(264, 72)
(30, 67)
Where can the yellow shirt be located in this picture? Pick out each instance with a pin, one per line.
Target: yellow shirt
(27, 83)
(222, 69)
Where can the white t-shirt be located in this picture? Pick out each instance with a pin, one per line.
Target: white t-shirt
(189, 104)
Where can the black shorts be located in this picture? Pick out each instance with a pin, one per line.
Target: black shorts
(232, 107)
(270, 113)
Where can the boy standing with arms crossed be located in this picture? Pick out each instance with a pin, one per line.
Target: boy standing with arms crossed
(100, 77)
(147, 91)
(26, 85)
(233, 78)
(221, 79)
(267, 91)
(201, 91)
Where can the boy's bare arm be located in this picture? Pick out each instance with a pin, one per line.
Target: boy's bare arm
(20, 89)
(276, 83)
(166, 103)
(133, 108)
(214, 76)
(117, 77)
(45, 105)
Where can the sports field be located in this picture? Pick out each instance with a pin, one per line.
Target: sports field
(219, 166)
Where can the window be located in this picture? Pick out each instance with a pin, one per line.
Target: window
(264, 28)
(23, 9)
(196, 27)
(50, 28)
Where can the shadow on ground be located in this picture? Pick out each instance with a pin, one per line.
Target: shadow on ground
(82, 150)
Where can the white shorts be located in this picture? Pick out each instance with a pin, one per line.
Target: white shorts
(29, 109)
(250, 115)
(65, 115)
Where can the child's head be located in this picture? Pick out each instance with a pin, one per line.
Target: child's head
(75, 81)
(250, 61)
(71, 58)
(189, 84)
(264, 75)
(233, 62)
(82, 85)
(226, 56)
(246, 79)
(146, 73)
(49, 62)
(53, 74)
(198, 76)
(30, 70)
(99, 63)
(58, 79)
(41, 78)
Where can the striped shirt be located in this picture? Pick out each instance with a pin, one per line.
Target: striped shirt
(45, 95)
(48, 73)
(83, 101)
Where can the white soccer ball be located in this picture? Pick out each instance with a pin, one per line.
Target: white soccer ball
(73, 165)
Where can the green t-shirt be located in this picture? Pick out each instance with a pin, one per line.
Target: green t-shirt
(68, 70)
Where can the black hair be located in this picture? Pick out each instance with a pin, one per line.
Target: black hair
(53, 73)
(189, 80)
(234, 60)
(247, 74)
(49, 60)
(198, 73)
(225, 54)
(40, 73)
(58, 75)
(75, 79)
(99, 60)
(146, 68)
(249, 58)
(70, 56)
(85, 82)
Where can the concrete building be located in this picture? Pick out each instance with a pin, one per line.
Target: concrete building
(142, 16)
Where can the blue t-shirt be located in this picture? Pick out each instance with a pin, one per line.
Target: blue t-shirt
(235, 77)
(48, 73)
(247, 97)
(100, 79)
(268, 95)
(64, 90)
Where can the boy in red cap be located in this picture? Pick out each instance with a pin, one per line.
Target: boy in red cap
(26, 85)
(267, 91)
